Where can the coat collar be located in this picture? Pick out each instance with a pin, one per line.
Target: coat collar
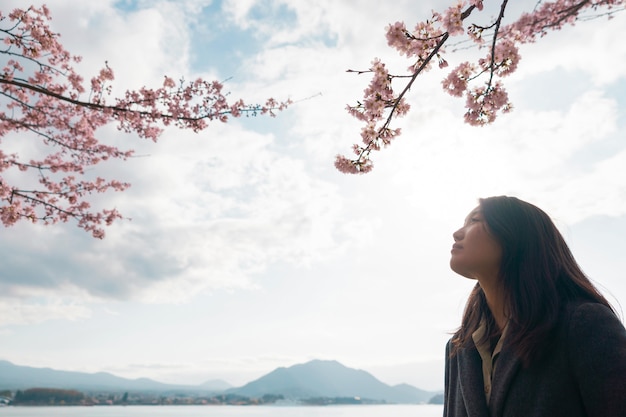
(471, 378)
(472, 386)
(506, 369)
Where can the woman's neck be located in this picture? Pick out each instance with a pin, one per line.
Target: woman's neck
(496, 303)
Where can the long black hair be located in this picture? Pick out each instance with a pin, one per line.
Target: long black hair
(538, 273)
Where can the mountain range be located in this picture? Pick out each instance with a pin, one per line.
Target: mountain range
(14, 377)
(314, 379)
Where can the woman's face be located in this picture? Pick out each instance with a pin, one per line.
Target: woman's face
(475, 253)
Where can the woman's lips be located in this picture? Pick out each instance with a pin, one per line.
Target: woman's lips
(456, 246)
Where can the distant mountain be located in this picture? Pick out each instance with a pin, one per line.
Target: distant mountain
(313, 379)
(329, 379)
(215, 385)
(15, 377)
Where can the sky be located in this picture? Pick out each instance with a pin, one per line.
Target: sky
(246, 250)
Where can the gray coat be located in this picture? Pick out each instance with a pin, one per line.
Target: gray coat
(584, 375)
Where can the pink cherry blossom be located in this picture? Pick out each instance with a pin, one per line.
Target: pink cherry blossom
(45, 101)
(477, 3)
(453, 19)
(456, 82)
(483, 104)
(479, 82)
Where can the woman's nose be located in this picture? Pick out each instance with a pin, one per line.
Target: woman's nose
(458, 235)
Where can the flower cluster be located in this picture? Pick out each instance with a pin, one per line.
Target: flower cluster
(418, 44)
(484, 103)
(485, 95)
(453, 19)
(45, 103)
(456, 82)
(379, 96)
(554, 15)
(502, 60)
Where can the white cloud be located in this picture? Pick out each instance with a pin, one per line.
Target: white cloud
(42, 306)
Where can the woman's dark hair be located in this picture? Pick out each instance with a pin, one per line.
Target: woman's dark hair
(539, 276)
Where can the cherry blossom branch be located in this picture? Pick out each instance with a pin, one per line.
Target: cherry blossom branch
(43, 100)
(425, 43)
(120, 110)
(483, 101)
(496, 25)
(384, 134)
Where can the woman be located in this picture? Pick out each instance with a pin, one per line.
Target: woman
(537, 338)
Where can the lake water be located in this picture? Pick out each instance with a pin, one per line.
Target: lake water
(227, 411)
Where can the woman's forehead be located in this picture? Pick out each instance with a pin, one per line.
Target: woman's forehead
(474, 212)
